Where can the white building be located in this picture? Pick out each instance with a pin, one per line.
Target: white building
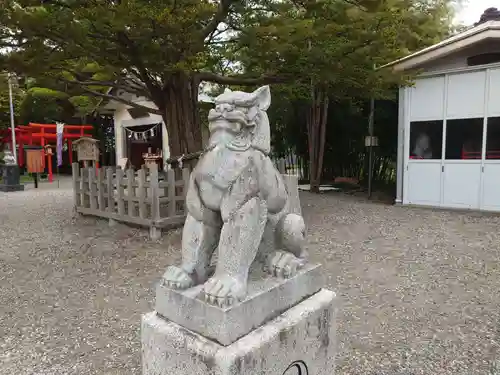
(449, 122)
(137, 130)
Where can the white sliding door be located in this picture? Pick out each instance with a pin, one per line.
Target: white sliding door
(462, 167)
(423, 172)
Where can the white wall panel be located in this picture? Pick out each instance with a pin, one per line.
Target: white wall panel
(465, 97)
(461, 184)
(494, 93)
(491, 186)
(427, 99)
(424, 183)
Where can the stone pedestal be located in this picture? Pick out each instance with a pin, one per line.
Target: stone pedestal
(284, 326)
(300, 341)
(10, 179)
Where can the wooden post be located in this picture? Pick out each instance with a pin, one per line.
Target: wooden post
(76, 184)
(100, 189)
(109, 197)
(84, 199)
(281, 166)
(92, 188)
(171, 192)
(142, 193)
(154, 232)
(119, 191)
(130, 191)
(110, 189)
(185, 179)
(155, 193)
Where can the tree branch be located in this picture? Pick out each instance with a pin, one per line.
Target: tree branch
(55, 2)
(220, 15)
(239, 79)
(124, 101)
(115, 98)
(116, 85)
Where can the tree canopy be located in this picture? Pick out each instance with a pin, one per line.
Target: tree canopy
(163, 49)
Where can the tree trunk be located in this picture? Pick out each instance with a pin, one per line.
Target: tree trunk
(181, 115)
(316, 134)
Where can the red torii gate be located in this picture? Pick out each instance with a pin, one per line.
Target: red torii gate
(43, 135)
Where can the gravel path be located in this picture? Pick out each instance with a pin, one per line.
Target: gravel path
(420, 289)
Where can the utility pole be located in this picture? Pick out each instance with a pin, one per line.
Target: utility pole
(12, 123)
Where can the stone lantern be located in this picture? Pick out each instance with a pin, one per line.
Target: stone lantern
(10, 174)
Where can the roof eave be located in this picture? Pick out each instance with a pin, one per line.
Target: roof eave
(489, 30)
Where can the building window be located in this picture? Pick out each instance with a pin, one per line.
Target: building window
(493, 138)
(426, 139)
(464, 139)
(484, 59)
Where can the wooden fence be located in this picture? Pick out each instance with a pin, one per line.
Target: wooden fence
(147, 198)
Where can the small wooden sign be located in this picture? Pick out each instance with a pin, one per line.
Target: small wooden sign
(87, 149)
(371, 141)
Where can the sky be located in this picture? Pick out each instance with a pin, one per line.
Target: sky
(473, 9)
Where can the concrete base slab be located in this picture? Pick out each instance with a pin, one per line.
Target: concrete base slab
(9, 188)
(267, 298)
(299, 341)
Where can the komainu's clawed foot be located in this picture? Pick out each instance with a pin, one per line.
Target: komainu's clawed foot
(223, 290)
(284, 264)
(177, 278)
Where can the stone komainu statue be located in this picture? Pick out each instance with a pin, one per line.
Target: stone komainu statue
(237, 204)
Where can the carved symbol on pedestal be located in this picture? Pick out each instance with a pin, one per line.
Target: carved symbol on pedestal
(297, 368)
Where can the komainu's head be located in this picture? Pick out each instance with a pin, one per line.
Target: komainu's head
(243, 116)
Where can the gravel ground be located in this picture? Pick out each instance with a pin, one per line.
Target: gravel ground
(419, 289)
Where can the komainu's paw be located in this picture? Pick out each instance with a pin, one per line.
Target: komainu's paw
(284, 264)
(292, 231)
(223, 290)
(177, 278)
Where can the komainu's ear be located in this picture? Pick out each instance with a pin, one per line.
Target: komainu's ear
(263, 95)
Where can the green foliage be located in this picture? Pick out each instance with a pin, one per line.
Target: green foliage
(337, 45)
(155, 48)
(48, 105)
(102, 42)
(84, 104)
(42, 108)
(43, 92)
